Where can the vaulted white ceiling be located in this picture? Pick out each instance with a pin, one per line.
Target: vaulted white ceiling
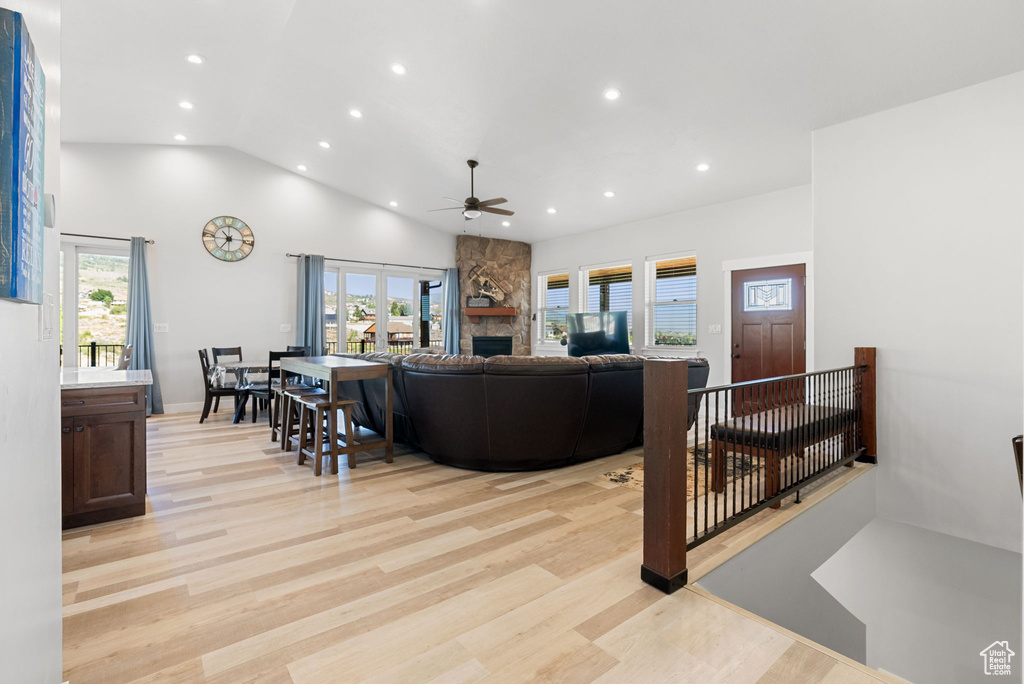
(518, 85)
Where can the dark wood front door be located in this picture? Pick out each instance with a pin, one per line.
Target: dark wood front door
(768, 326)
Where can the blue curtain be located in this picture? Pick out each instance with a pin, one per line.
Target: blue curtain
(452, 311)
(311, 324)
(140, 323)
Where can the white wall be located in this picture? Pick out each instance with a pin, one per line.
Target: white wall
(168, 193)
(919, 242)
(775, 223)
(931, 602)
(30, 560)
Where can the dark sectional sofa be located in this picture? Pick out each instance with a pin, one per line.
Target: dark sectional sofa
(509, 413)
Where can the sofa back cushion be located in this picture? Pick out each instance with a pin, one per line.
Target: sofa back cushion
(448, 408)
(615, 409)
(535, 410)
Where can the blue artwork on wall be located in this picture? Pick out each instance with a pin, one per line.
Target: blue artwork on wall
(22, 119)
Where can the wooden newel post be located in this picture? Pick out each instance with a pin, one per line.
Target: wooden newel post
(865, 356)
(665, 407)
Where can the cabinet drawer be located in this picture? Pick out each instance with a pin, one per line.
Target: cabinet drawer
(106, 400)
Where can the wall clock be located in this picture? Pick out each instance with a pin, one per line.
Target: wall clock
(228, 238)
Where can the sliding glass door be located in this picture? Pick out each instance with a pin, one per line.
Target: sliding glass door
(381, 310)
(93, 306)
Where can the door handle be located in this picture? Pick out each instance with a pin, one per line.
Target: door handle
(65, 431)
(735, 356)
(79, 428)
(72, 403)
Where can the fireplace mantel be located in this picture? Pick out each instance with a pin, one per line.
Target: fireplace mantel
(505, 313)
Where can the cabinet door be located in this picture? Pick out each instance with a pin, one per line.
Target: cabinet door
(67, 466)
(110, 461)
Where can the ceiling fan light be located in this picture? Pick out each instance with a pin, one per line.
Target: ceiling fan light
(472, 213)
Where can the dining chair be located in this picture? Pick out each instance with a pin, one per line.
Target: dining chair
(263, 393)
(213, 394)
(218, 352)
(293, 383)
(304, 350)
(125, 359)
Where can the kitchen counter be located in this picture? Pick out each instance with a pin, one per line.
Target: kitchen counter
(92, 378)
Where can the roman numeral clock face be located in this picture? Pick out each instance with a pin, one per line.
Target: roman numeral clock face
(228, 238)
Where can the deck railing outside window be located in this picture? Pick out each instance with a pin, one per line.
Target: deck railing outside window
(94, 354)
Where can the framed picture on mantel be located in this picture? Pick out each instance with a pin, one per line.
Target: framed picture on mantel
(22, 120)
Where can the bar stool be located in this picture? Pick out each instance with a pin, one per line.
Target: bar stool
(286, 401)
(313, 411)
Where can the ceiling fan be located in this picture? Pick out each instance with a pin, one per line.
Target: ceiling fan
(472, 207)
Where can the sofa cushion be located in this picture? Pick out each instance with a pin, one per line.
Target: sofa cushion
(612, 362)
(450, 364)
(535, 365)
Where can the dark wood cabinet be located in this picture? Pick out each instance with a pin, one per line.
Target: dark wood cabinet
(103, 454)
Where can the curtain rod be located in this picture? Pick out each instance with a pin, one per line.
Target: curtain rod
(104, 237)
(375, 263)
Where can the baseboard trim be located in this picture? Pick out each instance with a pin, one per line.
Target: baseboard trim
(188, 407)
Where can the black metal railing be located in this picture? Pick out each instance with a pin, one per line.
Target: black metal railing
(362, 346)
(753, 444)
(95, 354)
(715, 457)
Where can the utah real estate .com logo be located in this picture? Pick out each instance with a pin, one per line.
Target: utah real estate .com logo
(997, 658)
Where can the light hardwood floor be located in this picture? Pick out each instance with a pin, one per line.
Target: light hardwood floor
(248, 568)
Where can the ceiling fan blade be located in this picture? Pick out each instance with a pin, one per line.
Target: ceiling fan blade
(452, 199)
(492, 202)
(444, 209)
(492, 210)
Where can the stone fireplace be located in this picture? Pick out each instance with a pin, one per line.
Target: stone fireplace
(502, 269)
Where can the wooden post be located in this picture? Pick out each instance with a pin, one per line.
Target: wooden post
(665, 413)
(865, 356)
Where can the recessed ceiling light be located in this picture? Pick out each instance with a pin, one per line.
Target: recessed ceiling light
(703, 166)
(185, 104)
(195, 59)
(393, 203)
(506, 224)
(399, 69)
(612, 94)
(324, 144)
(551, 210)
(356, 113)
(609, 193)
(180, 138)
(301, 167)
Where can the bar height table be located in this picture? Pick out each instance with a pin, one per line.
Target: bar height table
(334, 370)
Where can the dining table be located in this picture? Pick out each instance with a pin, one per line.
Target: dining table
(333, 370)
(241, 375)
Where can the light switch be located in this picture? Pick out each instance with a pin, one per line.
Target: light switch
(286, 327)
(160, 327)
(715, 329)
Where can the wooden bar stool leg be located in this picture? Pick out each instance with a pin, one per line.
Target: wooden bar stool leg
(275, 415)
(318, 440)
(286, 442)
(303, 413)
(350, 440)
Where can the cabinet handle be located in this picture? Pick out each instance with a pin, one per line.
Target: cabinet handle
(65, 431)
(72, 403)
(79, 428)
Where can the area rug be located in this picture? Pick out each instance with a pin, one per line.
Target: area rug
(632, 477)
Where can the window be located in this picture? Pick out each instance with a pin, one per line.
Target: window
(610, 288)
(672, 301)
(553, 305)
